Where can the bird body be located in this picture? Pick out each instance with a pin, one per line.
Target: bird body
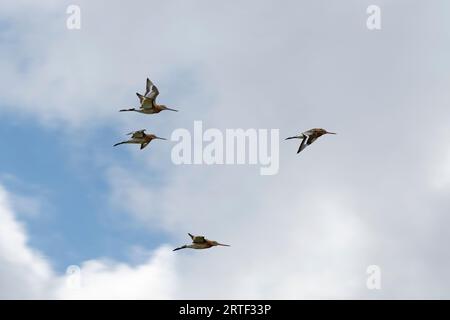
(200, 242)
(147, 101)
(140, 137)
(308, 137)
(143, 110)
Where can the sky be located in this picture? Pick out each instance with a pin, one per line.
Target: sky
(377, 193)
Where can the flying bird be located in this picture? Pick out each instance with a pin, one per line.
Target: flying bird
(200, 242)
(140, 137)
(309, 137)
(148, 101)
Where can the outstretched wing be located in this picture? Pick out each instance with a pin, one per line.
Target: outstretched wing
(311, 139)
(309, 132)
(148, 99)
(197, 239)
(137, 134)
(148, 86)
(153, 93)
(143, 145)
(141, 97)
(302, 145)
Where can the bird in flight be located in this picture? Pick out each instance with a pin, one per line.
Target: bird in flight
(309, 137)
(140, 137)
(200, 242)
(148, 101)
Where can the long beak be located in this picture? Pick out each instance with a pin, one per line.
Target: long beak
(291, 138)
(160, 138)
(331, 132)
(224, 245)
(171, 109)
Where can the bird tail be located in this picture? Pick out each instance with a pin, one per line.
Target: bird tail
(131, 109)
(183, 247)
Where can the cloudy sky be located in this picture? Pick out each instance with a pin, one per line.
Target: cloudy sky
(375, 194)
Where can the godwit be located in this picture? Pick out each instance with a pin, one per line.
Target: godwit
(140, 137)
(148, 101)
(200, 242)
(309, 137)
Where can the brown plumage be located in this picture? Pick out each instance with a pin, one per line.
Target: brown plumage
(200, 242)
(140, 137)
(147, 101)
(309, 137)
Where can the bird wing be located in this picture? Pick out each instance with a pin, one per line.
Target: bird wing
(198, 239)
(302, 145)
(311, 139)
(145, 102)
(137, 134)
(148, 99)
(148, 86)
(153, 93)
(310, 132)
(144, 144)
(141, 97)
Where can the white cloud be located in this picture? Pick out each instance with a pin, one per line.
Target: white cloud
(99, 279)
(25, 273)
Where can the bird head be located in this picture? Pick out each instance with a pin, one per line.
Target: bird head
(152, 136)
(163, 107)
(215, 243)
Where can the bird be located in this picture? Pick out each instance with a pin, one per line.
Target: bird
(140, 137)
(309, 137)
(200, 242)
(148, 101)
